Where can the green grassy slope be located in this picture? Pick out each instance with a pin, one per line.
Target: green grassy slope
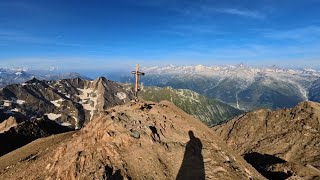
(209, 111)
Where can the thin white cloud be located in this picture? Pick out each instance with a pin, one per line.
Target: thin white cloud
(242, 13)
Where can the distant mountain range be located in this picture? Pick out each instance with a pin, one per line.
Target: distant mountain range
(209, 111)
(19, 75)
(243, 87)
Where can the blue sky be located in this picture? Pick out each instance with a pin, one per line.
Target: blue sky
(115, 34)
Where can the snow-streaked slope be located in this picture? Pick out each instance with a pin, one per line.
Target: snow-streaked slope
(70, 101)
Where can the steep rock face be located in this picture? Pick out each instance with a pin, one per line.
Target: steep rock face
(282, 136)
(70, 102)
(209, 111)
(137, 141)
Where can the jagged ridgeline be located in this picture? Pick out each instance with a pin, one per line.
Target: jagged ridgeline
(69, 102)
(209, 111)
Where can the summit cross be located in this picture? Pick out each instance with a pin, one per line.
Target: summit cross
(137, 74)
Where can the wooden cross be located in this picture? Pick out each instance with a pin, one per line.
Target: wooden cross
(137, 74)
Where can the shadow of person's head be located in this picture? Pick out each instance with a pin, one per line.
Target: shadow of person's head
(191, 135)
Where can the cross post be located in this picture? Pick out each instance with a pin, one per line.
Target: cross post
(137, 74)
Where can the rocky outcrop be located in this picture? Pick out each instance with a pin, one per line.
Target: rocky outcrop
(285, 141)
(7, 124)
(69, 102)
(21, 134)
(137, 140)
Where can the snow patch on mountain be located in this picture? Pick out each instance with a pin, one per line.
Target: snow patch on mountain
(121, 95)
(88, 98)
(6, 103)
(15, 110)
(65, 124)
(57, 102)
(19, 101)
(53, 116)
(18, 73)
(76, 122)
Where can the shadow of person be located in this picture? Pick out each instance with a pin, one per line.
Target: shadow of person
(192, 166)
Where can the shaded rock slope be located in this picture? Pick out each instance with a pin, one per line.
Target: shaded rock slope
(137, 140)
(20, 134)
(69, 102)
(283, 143)
(209, 111)
(314, 91)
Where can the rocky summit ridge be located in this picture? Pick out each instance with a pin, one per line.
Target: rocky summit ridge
(138, 140)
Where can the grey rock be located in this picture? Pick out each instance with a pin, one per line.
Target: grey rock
(135, 134)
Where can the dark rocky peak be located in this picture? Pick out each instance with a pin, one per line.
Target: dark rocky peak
(34, 80)
(100, 82)
(78, 82)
